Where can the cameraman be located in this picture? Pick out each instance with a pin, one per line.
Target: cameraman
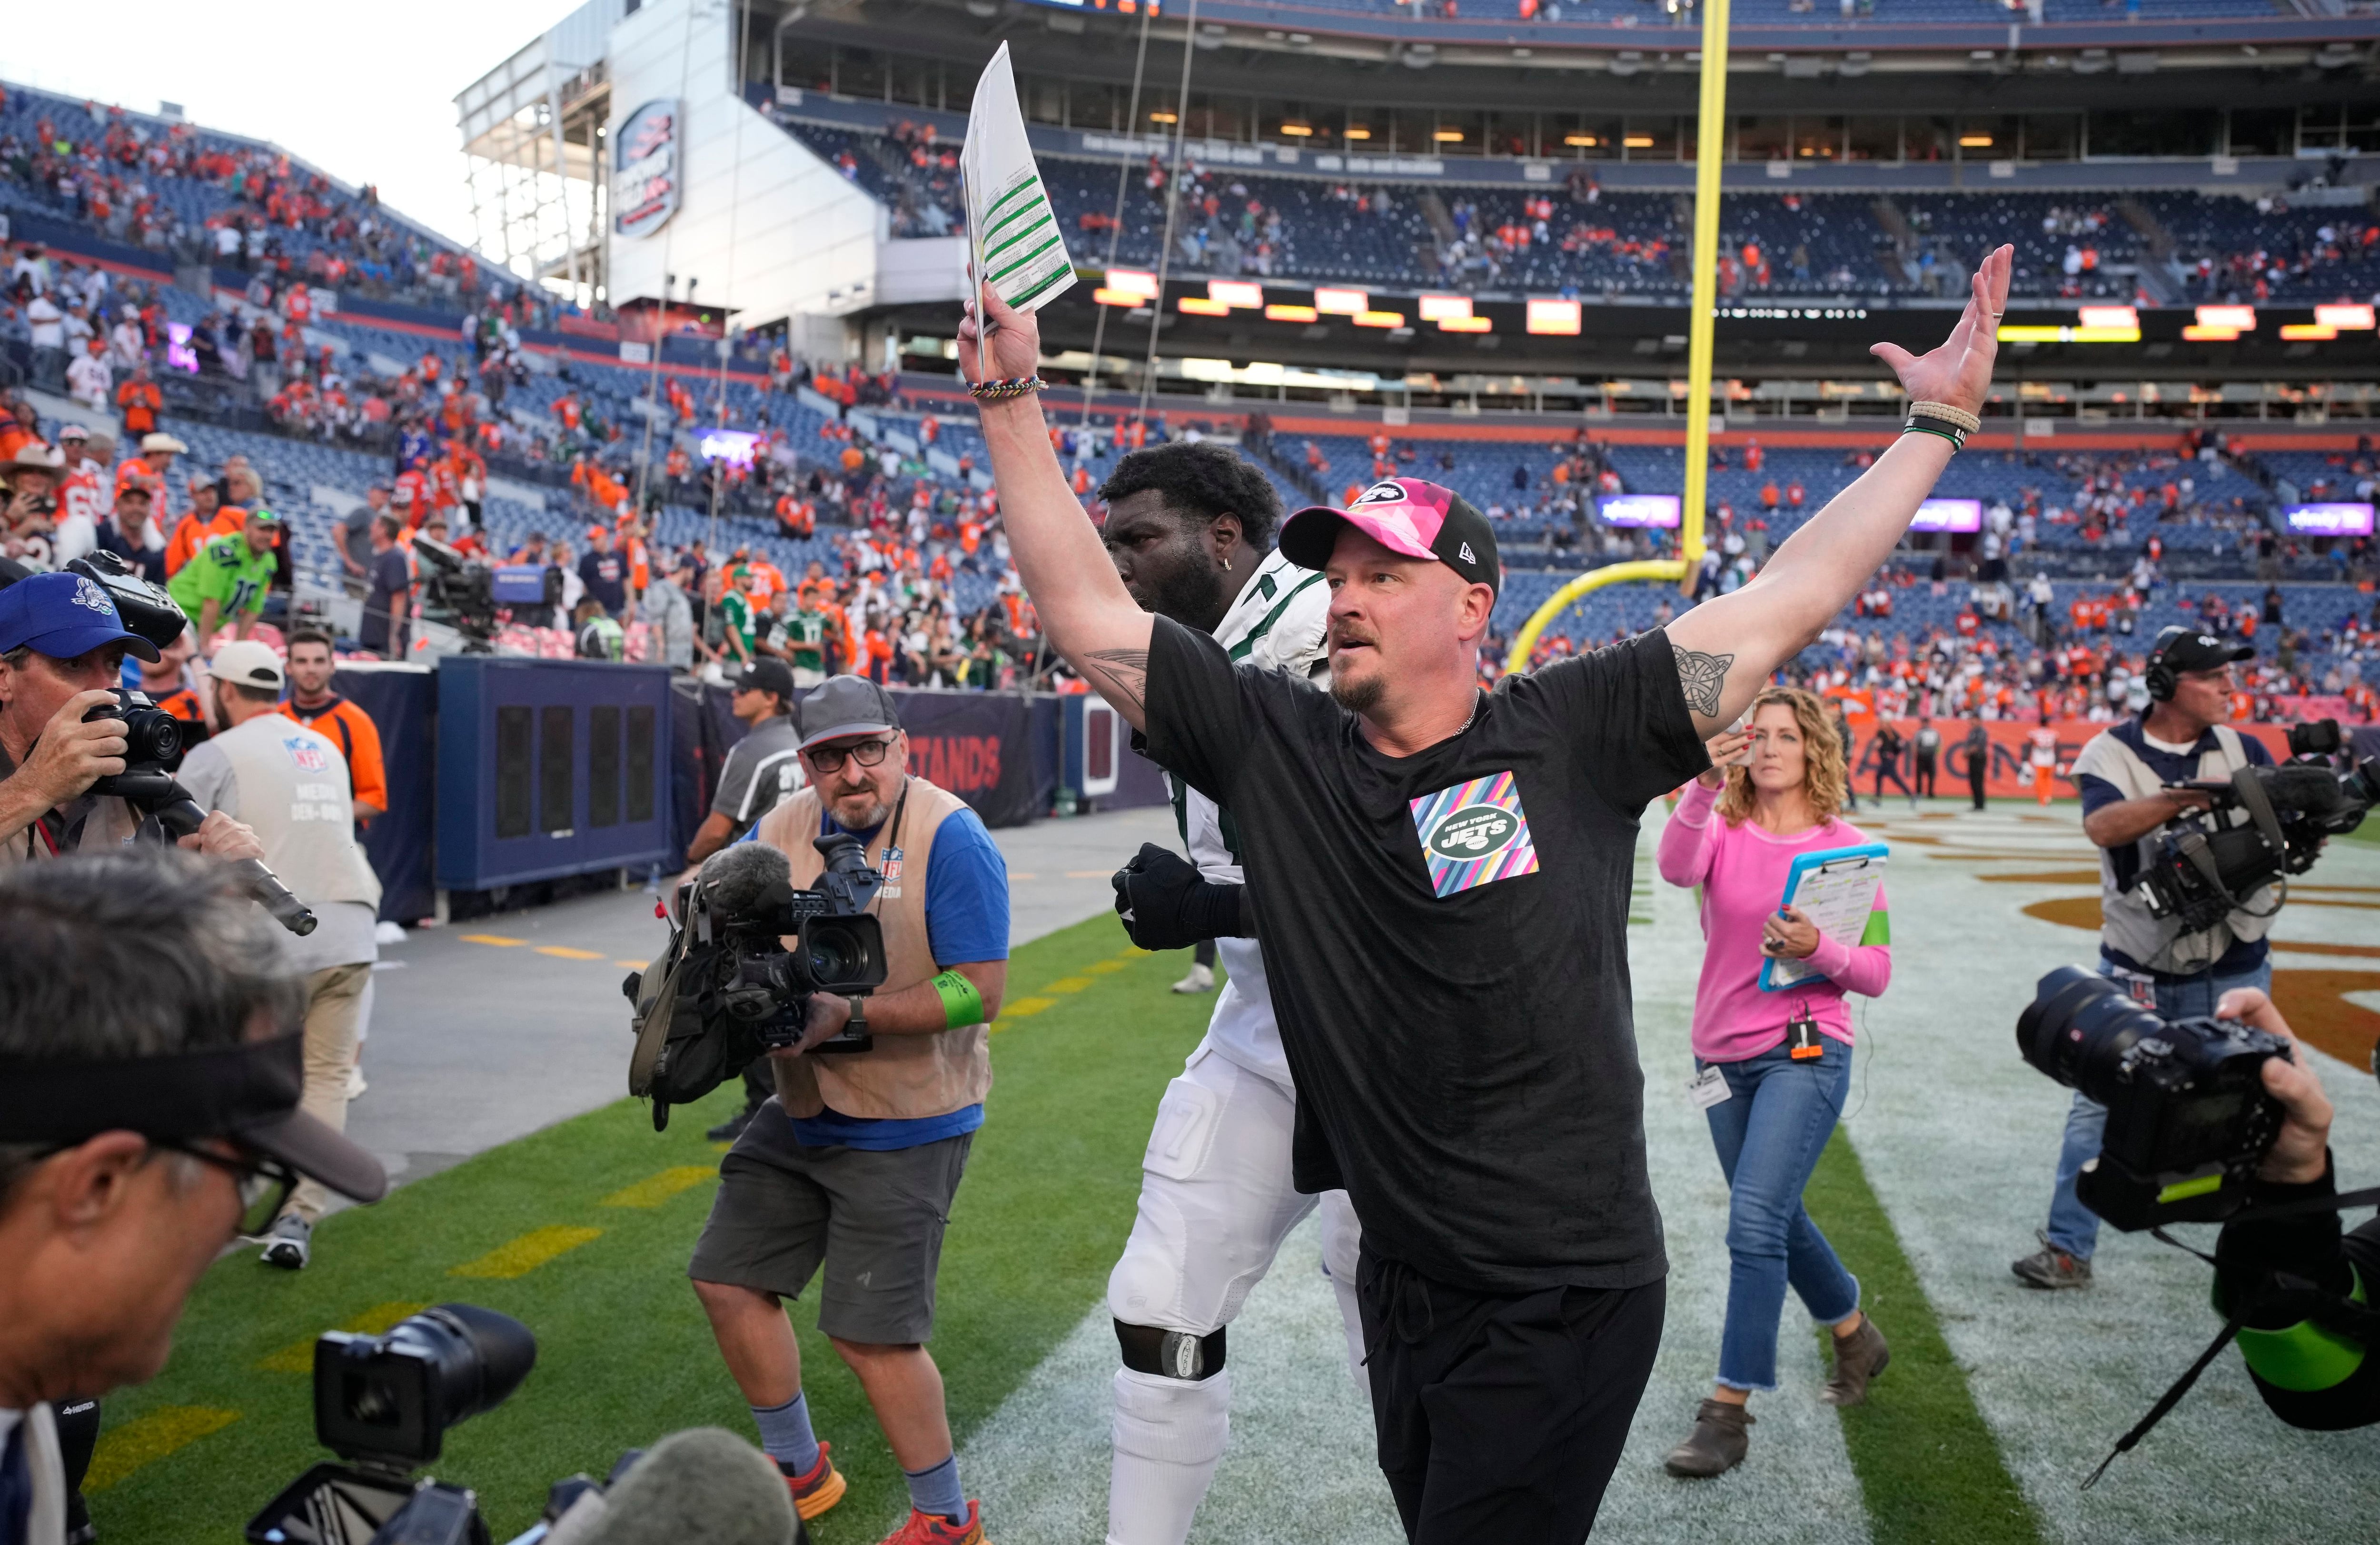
(852, 1168)
(149, 1090)
(62, 647)
(2308, 1374)
(2126, 773)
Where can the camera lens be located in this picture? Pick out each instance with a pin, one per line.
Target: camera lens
(151, 735)
(832, 954)
(2078, 1027)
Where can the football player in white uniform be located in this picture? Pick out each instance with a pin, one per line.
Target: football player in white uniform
(1190, 529)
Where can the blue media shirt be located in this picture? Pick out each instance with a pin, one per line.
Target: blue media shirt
(2245, 954)
(966, 921)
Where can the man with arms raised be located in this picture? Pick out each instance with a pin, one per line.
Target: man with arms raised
(1187, 527)
(1439, 878)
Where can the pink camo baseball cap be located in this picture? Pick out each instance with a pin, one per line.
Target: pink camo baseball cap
(1403, 515)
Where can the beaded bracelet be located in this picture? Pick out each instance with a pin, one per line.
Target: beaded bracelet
(1000, 391)
(1944, 412)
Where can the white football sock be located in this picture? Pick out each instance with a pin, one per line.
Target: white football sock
(1169, 1435)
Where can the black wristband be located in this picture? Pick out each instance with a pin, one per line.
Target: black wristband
(1212, 909)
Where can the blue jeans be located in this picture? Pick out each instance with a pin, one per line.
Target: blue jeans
(2073, 1227)
(1769, 1133)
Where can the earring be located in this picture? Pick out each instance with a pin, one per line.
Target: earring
(1227, 566)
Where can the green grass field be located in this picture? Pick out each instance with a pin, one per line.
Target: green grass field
(625, 1353)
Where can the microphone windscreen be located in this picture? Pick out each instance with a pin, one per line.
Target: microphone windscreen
(740, 877)
(2309, 790)
(704, 1486)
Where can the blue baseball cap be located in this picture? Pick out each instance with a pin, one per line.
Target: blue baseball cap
(63, 615)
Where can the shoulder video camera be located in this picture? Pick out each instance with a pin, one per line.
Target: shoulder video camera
(2187, 1114)
(2206, 867)
(728, 989)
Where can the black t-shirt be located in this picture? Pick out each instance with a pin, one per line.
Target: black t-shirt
(1458, 1024)
(605, 578)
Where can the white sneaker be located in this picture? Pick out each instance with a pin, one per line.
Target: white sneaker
(291, 1243)
(1200, 980)
(356, 1084)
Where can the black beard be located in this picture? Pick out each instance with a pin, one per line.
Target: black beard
(1359, 697)
(1191, 593)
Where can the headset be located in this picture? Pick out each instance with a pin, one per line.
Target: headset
(2160, 677)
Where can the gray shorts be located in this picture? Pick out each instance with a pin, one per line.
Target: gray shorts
(873, 1219)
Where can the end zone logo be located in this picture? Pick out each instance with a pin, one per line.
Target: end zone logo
(1475, 832)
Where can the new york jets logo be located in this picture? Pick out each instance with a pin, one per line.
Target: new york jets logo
(1384, 493)
(1474, 831)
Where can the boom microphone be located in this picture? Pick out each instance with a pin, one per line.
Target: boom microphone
(740, 878)
(704, 1486)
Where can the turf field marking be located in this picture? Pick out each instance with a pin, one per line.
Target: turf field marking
(563, 952)
(496, 939)
(518, 1258)
(1104, 967)
(298, 1357)
(633, 965)
(655, 1190)
(1089, 874)
(145, 1439)
(1023, 1008)
(1068, 984)
(1919, 1446)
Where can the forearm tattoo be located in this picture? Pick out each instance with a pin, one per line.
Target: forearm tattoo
(1701, 677)
(1123, 674)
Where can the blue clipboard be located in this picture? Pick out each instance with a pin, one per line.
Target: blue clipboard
(1829, 861)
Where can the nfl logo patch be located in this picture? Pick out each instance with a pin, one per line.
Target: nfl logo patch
(892, 865)
(306, 754)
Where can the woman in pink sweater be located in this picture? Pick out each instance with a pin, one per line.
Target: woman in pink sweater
(1784, 1059)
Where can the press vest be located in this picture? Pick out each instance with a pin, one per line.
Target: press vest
(2125, 925)
(902, 1077)
(294, 792)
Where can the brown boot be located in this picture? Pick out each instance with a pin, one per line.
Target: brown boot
(1858, 1357)
(1716, 1446)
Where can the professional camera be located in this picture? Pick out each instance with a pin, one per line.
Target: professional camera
(2188, 1114)
(152, 750)
(383, 1402)
(2206, 869)
(459, 591)
(727, 990)
(145, 608)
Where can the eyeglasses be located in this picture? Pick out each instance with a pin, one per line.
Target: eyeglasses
(264, 1185)
(829, 759)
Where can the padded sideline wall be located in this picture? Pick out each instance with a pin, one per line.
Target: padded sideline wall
(764, 224)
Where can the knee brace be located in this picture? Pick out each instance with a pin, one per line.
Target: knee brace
(1170, 1354)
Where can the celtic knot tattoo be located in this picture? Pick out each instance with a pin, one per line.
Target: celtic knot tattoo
(1700, 677)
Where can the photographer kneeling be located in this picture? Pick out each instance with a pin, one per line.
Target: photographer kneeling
(2310, 1375)
(62, 647)
(2126, 774)
(853, 1167)
(150, 1074)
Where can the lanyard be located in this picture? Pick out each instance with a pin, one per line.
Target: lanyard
(891, 834)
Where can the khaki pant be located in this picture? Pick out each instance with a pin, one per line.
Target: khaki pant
(333, 999)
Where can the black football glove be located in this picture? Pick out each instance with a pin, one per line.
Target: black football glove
(1167, 905)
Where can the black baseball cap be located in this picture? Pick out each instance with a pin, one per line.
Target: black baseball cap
(844, 706)
(2186, 649)
(1403, 515)
(767, 675)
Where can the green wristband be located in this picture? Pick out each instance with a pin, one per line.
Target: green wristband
(962, 1004)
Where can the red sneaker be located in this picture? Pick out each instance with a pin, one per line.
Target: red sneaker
(932, 1528)
(819, 1488)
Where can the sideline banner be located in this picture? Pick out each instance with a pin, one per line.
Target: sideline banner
(2007, 758)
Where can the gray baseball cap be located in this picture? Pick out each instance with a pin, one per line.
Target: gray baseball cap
(844, 706)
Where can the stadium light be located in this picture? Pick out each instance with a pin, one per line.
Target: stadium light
(1442, 308)
(1448, 136)
(1277, 312)
(1357, 134)
(1132, 281)
(1637, 141)
(2307, 332)
(1198, 305)
(2345, 317)
(1976, 141)
(1466, 325)
(2236, 319)
(1163, 117)
(2201, 333)
(1129, 299)
(1556, 318)
(1298, 131)
(1334, 302)
(1379, 318)
(1582, 141)
(2112, 316)
(1239, 293)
